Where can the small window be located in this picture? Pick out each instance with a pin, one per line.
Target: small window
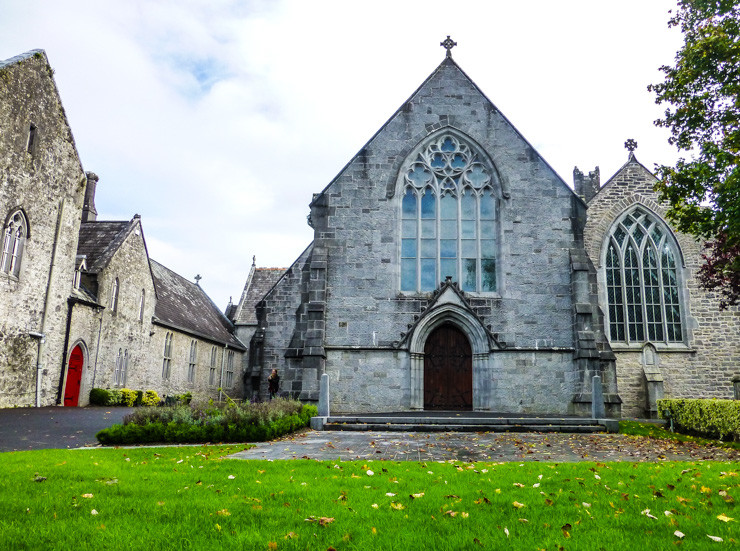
(212, 370)
(31, 138)
(114, 296)
(14, 239)
(192, 362)
(229, 369)
(167, 356)
(141, 305)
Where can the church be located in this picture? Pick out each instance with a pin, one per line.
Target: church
(451, 268)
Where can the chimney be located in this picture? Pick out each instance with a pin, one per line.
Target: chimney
(89, 214)
(586, 186)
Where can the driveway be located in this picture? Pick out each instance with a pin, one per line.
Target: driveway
(55, 427)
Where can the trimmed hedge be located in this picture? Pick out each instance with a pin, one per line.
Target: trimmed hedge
(713, 418)
(175, 432)
(123, 397)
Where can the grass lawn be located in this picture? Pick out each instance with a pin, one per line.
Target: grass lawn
(196, 498)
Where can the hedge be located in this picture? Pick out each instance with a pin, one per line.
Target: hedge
(174, 432)
(713, 418)
(123, 397)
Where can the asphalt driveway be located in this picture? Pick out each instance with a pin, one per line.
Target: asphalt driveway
(55, 427)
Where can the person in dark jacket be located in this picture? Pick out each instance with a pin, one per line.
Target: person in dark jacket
(273, 383)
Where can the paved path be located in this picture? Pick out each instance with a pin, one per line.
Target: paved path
(487, 446)
(55, 427)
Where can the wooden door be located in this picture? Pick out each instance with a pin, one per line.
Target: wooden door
(448, 370)
(74, 377)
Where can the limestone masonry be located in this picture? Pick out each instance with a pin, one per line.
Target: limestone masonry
(451, 268)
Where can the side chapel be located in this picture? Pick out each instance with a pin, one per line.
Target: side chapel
(452, 268)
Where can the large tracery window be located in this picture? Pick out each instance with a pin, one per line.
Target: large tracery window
(448, 219)
(14, 238)
(642, 281)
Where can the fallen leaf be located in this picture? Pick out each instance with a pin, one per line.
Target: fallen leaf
(506, 531)
(678, 534)
(390, 494)
(518, 505)
(714, 538)
(223, 513)
(417, 496)
(646, 512)
(93, 512)
(397, 506)
(370, 473)
(231, 477)
(272, 545)
(290, 536)
(724, 518)
(374, 506)
(88, 496)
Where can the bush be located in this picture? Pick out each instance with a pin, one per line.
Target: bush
(209, 423)
(128, 397)
(713, 418)
(150, 398)
(98, 397)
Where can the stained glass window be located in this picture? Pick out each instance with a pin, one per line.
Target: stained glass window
(642, 287)
(448, 219)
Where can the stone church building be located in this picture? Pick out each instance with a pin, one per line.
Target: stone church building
(451, 268)
(81, 303)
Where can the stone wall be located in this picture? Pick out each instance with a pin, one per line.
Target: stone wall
(702, 366)
(45, 180)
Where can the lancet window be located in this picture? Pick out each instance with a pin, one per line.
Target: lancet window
(449, 218)
(14, 239)
(642, 281)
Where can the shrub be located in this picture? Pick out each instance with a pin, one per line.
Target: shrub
(714, 418)
(128, 397)
(139, 397)
(150, 398)
(98, 397)
(209, 423)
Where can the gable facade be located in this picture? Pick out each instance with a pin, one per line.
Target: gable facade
(448, 187)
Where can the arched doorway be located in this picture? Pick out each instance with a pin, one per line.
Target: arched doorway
(74, 377)
(448, 370)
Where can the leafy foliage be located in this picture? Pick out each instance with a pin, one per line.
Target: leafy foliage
(123, 397)
(208, 422)
(710, 417)
(703, 115)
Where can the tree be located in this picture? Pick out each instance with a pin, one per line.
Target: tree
(702, 94)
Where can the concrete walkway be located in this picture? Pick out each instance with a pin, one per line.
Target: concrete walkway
(487, 446)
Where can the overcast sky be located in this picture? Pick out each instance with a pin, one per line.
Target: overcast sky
(217, 120)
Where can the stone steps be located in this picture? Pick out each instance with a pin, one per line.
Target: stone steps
(462, 423)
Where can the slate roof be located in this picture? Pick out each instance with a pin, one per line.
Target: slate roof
(259, 282)
(99, 241)
(184, 306)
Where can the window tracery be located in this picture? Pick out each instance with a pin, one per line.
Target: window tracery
(642, 281)
(448, 218)
(14, 239)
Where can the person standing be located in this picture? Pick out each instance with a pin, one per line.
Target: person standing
(273, 383)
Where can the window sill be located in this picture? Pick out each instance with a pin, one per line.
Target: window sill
(659, 347)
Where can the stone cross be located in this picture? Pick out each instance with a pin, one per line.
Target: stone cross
(631, 145)
(197, 279)
(448, 44)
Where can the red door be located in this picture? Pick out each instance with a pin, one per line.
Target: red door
(448, 370)
(74, 376)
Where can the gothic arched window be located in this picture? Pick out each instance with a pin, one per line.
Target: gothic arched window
(14, 238)
(448, 218)
(642, 280)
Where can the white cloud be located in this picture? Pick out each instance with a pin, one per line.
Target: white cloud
(216, 122)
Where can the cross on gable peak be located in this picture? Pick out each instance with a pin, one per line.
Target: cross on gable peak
(448, 44)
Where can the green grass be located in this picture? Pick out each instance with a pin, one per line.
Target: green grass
(196, 498)
(653, 430)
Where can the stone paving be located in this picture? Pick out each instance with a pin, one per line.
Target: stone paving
(556, 447)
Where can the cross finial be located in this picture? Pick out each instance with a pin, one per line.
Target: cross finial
(448, 44)
(254, 260)
(631, 145)
(197, 279)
